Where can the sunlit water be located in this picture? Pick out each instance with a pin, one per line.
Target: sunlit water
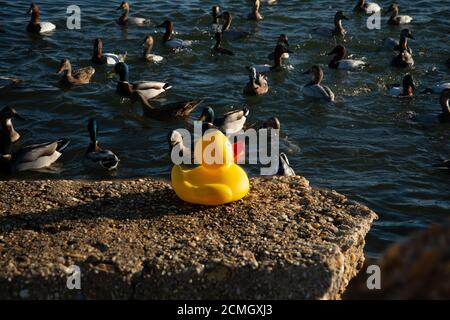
(366, 145)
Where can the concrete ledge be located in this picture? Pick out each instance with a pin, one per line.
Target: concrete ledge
(136, 239)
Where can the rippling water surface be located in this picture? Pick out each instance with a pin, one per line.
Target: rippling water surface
(366, 145)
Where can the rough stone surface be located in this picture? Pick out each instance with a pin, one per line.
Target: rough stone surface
(136, 239)
(417, 268)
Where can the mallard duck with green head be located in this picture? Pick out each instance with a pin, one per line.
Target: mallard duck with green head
(96, 156)
(231, 122)
(149, 89)
(32, 157)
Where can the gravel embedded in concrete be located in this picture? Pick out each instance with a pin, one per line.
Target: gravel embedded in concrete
(136, 239)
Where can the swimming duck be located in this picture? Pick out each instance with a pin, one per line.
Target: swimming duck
(232, 122)
(438, 88)
(403, 59)
(257, 84)
(314, 89)
(148, 46)
(444, 117)
(395, 18)
(280, 50)
(33, 157)
(168, 37)
(172, 110)
(229, 33)
(125, 20)
(78, 77)
(110, 59)
(338, 29)
(215, 181)
(283, 40)
(402, 44)
(218, 46)
(6, 121)
(34, 26)
(338, 61)
(406, 91)
(255, 15)
(284, 167)
(96, 156)
(149, 89)
(367, 7)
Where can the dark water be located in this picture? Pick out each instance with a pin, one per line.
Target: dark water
(365, 146)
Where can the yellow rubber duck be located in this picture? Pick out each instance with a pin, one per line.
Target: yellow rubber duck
(217, 180)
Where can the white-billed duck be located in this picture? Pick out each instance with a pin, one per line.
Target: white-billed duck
(314, 89)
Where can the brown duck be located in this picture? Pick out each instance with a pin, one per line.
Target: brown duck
(78, 77)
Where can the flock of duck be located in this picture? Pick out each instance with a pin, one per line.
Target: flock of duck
(14, 158)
